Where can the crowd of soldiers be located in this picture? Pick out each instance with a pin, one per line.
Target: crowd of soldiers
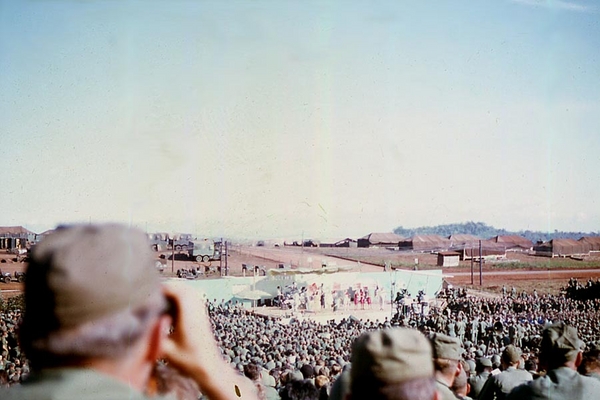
(13, 365)
(484, 327)
(578, 291)
(494, 334)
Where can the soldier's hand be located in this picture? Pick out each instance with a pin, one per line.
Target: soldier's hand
(192, 349)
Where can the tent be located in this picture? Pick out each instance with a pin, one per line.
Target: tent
(425, 243)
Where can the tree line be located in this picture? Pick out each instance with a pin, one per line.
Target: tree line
(485, 231)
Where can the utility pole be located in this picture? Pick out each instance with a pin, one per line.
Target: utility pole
(226, 257)
(480, 265)
(472, 262)
(173, 256)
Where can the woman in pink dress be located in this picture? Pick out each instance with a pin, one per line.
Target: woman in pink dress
(362, 300)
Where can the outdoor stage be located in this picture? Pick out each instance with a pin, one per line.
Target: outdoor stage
(250, 290)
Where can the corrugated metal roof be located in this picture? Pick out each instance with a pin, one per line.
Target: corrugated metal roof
(425, 242)
(429, 239)
(487, 249)
(564, 247)
(571, 242)
(590, 239)
(463, 238)
(14, 230)
(490, 244)
(593, 242)
(390, 238)
(514, 240)
(449, 253)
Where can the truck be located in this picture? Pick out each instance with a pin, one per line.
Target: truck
(181, 242)
(204, 250)
(163, 241)
(159, 241)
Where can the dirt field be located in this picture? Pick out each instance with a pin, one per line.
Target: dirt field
(522, 271)
(8, 263)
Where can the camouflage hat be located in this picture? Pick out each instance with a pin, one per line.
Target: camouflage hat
(561, 339)
(390, 356)
(82, 273)
(511, 354)
(445, 347)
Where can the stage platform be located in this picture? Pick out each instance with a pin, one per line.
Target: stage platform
(323, 316)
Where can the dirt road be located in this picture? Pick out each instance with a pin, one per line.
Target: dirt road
(297, 257)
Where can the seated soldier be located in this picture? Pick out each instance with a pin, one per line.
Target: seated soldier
(446, 362)
(590, 365)
(392, 364)
(498, 386)
(560, 355)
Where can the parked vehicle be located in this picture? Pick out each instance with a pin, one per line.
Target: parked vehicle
(205, 250)
(6, 277)
(164, 241)
(181, 242)
(159, 241)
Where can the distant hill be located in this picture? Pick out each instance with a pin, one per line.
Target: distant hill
(485, 232)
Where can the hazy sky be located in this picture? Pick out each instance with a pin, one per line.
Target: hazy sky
(289, 118)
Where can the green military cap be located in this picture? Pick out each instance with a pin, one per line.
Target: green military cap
(561, 339)
(390, 356)
(82, 273)
(511, 354)
(445, 346)
(484, 362)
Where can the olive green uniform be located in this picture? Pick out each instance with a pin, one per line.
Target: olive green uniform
(444, 391)
(500, 385)
(477, 382)
(562, 383)
(71, 383)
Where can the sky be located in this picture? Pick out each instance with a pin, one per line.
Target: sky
(289, 119)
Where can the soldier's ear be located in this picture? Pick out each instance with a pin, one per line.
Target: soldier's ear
(578, 359)
(459, 369)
